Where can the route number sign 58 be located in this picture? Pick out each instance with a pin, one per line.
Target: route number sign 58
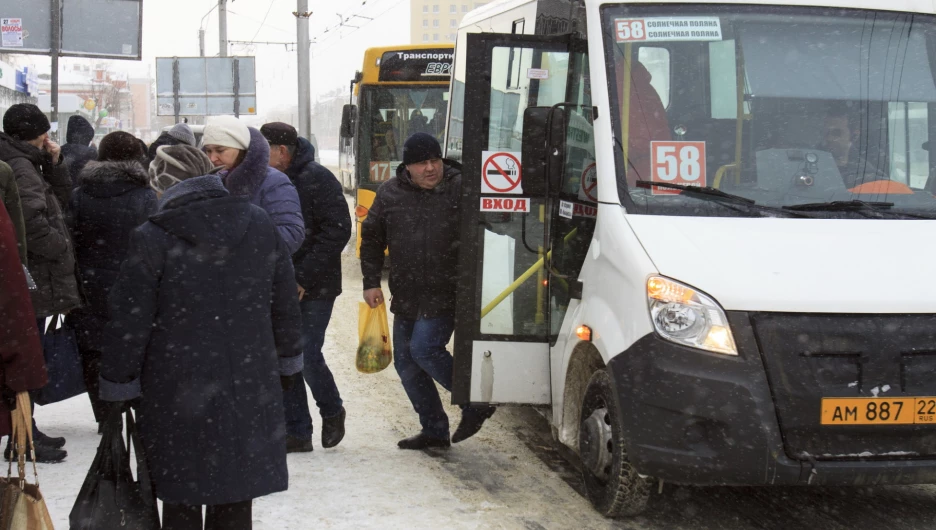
(677, 163)
(630, 30)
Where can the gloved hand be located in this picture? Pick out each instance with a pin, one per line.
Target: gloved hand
(287, 381)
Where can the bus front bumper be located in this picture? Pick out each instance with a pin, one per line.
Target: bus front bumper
(692, 417)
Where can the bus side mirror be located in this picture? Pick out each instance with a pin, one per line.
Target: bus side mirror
(533, 151)
(348, 119)
(557, 128)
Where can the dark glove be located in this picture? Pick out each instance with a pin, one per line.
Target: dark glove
(287, 381)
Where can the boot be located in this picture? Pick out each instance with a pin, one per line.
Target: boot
(423, 441)
(44, 455)
(298, 445)
(42, 439)
(333, 430)
(472, 420)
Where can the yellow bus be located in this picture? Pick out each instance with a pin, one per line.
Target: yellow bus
(400, 91)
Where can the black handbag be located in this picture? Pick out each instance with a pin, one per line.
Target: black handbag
(63, 363)
(110, 497)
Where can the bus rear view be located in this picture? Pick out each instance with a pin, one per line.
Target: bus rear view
(400, 91)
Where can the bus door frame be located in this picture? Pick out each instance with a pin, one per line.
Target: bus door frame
(528, 376)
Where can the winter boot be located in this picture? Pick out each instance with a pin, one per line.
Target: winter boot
(423, 441)
(472, 420)
(41, 439)
(333, 429)
(298, 445)
(44, 455)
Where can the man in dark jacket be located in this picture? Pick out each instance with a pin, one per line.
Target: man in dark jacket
(78, 150)
(44, 186)
(318, 275)
(415, 215)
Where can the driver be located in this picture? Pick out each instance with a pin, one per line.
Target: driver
(840, 137)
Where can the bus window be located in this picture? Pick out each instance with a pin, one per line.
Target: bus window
(908, 127)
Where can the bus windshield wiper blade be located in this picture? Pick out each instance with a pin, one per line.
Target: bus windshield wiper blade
(839, 206)
(700, 190)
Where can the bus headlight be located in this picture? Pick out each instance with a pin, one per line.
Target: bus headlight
(685, 316)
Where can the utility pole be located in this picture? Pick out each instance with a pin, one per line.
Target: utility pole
(303, 48)
(56, 47)
(222, 28)
(201, 42)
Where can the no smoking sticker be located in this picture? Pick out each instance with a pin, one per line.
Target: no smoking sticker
(588, 188)
(501, 172)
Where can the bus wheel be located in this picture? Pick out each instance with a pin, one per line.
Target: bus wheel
(613, 485)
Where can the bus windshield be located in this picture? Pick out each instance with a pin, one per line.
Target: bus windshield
(772, 109)
(389, 116)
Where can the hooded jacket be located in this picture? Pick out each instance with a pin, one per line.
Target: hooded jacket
(112, 199)
(22, 366)
(269, 189)
(204, 320)
(49, 250)
(78, 150)
(420, 228)
(327, 225)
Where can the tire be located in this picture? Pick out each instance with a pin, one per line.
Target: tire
(617, 490)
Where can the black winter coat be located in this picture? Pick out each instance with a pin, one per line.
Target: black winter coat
(77, 150)
(204, 320)
(327, 225)
(43, 189)
(112, 199)
(420, 228)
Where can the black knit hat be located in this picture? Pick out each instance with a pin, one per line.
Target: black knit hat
(421, 147)
(24, 121)
(279, 133)
(119, 146)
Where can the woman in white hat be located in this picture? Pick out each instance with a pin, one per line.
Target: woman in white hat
(245, 155)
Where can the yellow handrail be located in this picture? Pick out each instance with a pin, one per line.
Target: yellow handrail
(721, 173)
(523, 277)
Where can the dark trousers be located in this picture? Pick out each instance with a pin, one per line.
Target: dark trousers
(91, 366)
(419, 356)
(234, 516)
(315, 317)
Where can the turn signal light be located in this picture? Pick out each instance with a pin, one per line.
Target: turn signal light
(583, 332)
(361, 211)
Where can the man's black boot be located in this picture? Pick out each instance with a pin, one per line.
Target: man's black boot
(42, 439)
(422, 441)
(333, 429)
(298, 445)
(472, 420)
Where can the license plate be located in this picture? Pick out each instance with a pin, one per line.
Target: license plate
(878, 411)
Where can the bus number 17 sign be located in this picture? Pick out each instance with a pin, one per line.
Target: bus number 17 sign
(677, 163)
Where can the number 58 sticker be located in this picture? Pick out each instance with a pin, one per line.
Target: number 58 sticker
(677, 163)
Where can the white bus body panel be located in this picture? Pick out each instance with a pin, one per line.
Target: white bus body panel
(510, 372)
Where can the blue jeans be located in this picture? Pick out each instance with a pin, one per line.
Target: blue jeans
(315, 317)
(419, 356)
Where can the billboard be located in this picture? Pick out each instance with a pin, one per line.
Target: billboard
(205, 86)
(110, 29)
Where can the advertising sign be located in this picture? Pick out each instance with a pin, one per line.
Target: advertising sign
(11, 32)
(205, 86)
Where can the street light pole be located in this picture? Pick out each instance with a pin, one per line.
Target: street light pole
(201, 42)
(303, 48)
(222, 28)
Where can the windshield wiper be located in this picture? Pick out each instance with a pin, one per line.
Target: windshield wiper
(839, 206)
(700, 190)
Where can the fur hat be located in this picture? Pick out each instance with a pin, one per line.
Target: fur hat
(24, 121)
(279, 133)
(175, 163)
(120, 145)
(226, 131)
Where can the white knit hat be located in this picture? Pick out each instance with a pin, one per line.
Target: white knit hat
(226, 131)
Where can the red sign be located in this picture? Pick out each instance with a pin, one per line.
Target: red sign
(677, 163)
(381, 171)
(490, 204)
(589, 184)
(501, 173)
(629, 30)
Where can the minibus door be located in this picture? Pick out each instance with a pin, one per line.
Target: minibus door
(502, 334)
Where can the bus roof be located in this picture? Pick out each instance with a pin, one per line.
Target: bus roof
(371, 70)
(911, 6)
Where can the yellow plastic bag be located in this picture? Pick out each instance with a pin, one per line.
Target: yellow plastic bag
(374, 352)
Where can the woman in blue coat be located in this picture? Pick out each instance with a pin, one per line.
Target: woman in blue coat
(244, 155)
(112, 199)
(205, 322)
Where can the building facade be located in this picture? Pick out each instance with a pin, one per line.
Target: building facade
(437, 20)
